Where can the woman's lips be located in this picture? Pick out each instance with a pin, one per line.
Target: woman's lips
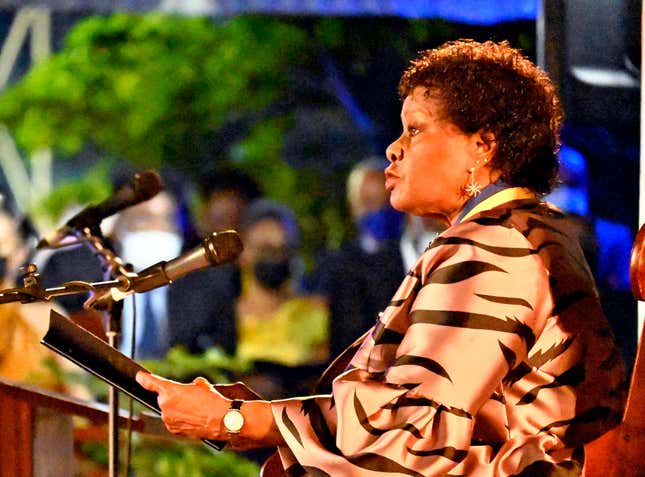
(390, 181)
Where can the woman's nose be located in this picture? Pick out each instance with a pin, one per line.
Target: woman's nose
(394, 151)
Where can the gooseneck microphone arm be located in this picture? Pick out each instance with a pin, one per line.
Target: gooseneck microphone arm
(85, 226)
(32, 289)
(217, 249)
(144, 185)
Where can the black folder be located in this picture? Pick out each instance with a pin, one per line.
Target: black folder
(94, 355)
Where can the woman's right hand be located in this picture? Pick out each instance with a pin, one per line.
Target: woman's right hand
(196, 410)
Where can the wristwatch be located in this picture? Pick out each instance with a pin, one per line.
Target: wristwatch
(233, 419)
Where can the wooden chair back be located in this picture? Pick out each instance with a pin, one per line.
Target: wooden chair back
(621, 451)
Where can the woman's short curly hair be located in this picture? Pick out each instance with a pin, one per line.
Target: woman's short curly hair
(494, 88)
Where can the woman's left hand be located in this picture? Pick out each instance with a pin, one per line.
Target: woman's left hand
(193, 410)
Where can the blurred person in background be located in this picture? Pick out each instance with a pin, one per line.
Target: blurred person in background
(360, 277)
(22, 357)
(202, 303)
(376, 221)
(283, 332)
(145, 234)
(192, 312)
(224, 194)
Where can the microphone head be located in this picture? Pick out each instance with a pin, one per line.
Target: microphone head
(223, 247)
(147, 184)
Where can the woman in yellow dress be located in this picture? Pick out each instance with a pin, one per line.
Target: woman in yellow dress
(283, 332)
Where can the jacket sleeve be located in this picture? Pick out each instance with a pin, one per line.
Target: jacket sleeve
(467, 312)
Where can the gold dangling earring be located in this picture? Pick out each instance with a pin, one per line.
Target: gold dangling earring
(473, 188)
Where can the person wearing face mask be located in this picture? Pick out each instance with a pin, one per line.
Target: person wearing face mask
(195, 311)
(146, 234)
(359, 278)
(377, 222)
(283, 332)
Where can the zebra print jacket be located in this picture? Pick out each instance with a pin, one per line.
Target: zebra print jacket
(493, 358)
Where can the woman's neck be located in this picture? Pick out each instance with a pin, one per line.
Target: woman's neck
(486, 192)
(256, 299)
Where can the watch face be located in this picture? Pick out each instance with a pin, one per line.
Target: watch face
(233, 420)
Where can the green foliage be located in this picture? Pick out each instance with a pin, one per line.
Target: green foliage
(149, 88)
(166, 90)
(163, 457)
(158, 458)
(93, 187)
(329, 32)
(156, 90)
(259, 154)
(214, 364)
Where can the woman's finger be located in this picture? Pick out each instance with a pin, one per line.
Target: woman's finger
(150, 381)
(202, 383)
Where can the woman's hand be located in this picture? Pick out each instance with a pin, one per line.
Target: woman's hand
(196, 410)
(192, 410)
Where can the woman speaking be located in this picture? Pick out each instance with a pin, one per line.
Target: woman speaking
(493, 358)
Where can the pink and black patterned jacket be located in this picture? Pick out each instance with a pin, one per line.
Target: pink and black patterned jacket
(492, 359)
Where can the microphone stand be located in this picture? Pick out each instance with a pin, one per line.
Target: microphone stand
(113, 267)
(117, 275)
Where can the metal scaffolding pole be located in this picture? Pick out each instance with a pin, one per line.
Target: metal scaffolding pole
(25, 187)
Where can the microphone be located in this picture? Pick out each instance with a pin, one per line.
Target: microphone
(216, 249)
(145, 186)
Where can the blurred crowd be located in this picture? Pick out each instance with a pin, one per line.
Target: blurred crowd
(264, 307)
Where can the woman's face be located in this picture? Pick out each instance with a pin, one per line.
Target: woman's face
(430, 161)
(265, 238)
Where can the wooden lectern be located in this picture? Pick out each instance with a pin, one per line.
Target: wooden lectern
(36, 432)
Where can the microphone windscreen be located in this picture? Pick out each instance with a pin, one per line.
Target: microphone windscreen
(147, 184)
(223, 247)
(216, 249)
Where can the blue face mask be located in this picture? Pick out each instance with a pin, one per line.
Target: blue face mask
(382, 224)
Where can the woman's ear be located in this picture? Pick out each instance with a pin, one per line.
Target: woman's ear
(483, 145)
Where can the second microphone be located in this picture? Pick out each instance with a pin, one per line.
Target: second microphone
(216, 249)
